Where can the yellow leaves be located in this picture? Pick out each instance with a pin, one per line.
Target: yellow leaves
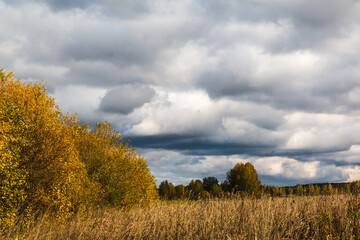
(116, 167)
(38, 149)
(48, 162)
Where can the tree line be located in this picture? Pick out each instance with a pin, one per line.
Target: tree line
(51, 163)
(242, 180)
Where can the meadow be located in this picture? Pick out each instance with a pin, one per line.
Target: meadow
(293, 217)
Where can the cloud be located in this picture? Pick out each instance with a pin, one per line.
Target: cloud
(80, 99)
(126, 98)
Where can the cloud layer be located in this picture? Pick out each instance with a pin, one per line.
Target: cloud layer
(199, 85)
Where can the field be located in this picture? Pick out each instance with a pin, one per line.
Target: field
(295, 217)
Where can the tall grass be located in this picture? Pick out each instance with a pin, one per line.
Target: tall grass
(316, 217)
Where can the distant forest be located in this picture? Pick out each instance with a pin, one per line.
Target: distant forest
(243, 180)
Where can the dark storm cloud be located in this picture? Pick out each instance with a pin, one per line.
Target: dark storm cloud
(199, 145)
(125, 99)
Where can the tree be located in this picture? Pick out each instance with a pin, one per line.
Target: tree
(122, 175)
(172, 192)
(299, 190)
(282, 192)
(180, 191)
(205, 194)
(164, 190)
(275, 191)
(355, 187)
(331, 189)
(347, 188)
(225, 186)
(243, 177)
(311, 190)
(216, 190)
(48, 162)
(208, 182)
(325, 189)
(40, 169)
(195, 189)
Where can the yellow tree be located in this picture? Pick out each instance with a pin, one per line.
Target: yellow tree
(121, 175)
(244, 178)
(13, 177)
(38, 142)
(48, 162)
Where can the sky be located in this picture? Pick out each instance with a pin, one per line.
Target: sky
(199, 85)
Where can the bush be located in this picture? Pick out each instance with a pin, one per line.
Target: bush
(48, 162)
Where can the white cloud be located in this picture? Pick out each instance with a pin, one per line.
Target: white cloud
(321, 131)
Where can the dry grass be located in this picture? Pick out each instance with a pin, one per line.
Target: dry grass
(317, 217)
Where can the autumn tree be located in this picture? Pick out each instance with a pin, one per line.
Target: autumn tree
(40, 169)
(346, 188)
(225, 186)
(244, 178)
(327, 189)
(311, 190)
(167, 191)
(355, 187)
(282, 192)
(195, 188)
(208, 182)
(299, 190)
(112, 165)
(216, 190)
(289, 191)
(48, 162)
(205, 194)
(180, 191)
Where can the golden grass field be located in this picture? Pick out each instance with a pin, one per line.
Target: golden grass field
(295, 217)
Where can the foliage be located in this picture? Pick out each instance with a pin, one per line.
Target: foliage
(355, 187)
(195, 189)
(167, 191)
(216, 190)
(180, 191)
(48, 162)
(121, 176)
(243, 177)
(40, 168)
(299, 190)
(208, 182)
